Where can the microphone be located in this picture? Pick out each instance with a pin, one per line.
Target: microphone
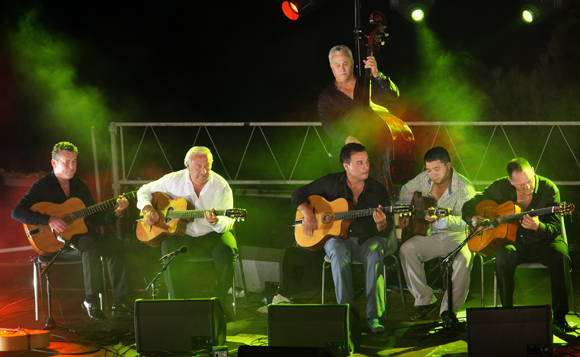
(172, 254)
(67, 243)
(487, 223)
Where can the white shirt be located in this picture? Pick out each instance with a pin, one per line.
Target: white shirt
(216, 193)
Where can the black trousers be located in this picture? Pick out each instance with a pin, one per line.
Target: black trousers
(91, 247)
(222, 248)
(553, 255)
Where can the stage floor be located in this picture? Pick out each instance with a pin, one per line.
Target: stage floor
(116, 336)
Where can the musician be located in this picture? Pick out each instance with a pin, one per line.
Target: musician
(367, 236)
(338, 102)
(538, 238)
(451, 190)
(57, 187)
(209, 236)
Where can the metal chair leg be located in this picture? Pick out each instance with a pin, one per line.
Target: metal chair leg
(482, 281)
(36, 277)
(323, 277)
(243, 276)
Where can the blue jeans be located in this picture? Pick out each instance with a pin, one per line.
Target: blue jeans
(342, 252)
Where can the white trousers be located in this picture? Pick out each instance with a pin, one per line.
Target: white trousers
(420, 249)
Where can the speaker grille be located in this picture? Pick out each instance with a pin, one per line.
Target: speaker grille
(179, 325)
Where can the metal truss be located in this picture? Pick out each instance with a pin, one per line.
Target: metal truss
(283, 140)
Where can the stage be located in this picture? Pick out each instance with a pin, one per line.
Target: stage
(116, 337)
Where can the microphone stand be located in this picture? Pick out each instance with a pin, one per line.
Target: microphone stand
(152, 285)
(449, 324)
(49, 321)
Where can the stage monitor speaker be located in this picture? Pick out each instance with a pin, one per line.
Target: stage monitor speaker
(300, 270)
(179, 326)
(268, 351)
(335, 327)
(522, 331)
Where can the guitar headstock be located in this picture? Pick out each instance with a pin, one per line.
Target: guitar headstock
(565, 208)
(440, 212)
(403, 208)
(236, 213)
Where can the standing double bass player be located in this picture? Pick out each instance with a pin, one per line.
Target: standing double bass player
(351, 110)
(340, 102)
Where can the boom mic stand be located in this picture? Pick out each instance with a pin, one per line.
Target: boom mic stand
(153, 286)
(449, 325)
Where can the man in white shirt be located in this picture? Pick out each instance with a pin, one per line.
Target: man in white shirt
(204, 237)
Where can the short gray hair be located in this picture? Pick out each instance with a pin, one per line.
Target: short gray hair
(339, 49)
(63, 146)
(198, 150)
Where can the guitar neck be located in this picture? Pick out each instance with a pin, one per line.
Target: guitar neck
(339, 216)
(194, 213)
(519, 216)
(85, 212)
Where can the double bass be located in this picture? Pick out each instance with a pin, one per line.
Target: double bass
(389, 141)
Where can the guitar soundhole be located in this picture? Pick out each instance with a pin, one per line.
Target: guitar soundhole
(68, 218)
(168, 215)
(326, 218)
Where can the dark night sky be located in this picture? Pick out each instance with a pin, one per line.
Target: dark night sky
(206, 61)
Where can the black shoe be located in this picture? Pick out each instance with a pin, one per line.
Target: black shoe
(94, 311)
(449, 320)
(562, 326)
(124, 308)
(423, 311)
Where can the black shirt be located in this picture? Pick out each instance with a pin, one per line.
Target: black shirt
(48, 189)
(334, 106)
(545, 194)
(335, 186)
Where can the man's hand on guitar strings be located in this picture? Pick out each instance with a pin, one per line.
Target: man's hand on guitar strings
(57, 224)
(150, 216)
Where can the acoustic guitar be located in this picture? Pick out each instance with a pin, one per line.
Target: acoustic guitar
(20, 339)
(507, 217)
(418, 226)
(333, 220)
(174, 215)
(73, 211)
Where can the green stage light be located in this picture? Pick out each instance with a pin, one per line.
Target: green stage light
(534, 11)
(528, 16)
(417, 15)
(412, 10)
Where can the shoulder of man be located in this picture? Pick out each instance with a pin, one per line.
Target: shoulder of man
(546, 182)
(218, 179)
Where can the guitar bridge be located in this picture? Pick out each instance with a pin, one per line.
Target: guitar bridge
(35, 231)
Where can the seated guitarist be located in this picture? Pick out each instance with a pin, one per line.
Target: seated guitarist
(367, 236)
(210, 236)
(59, 186)
(538, 238)
(450, 190)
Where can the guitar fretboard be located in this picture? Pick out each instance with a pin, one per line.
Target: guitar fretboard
(339, 216)
(518, 216)
(85, 212)
(194, 213)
